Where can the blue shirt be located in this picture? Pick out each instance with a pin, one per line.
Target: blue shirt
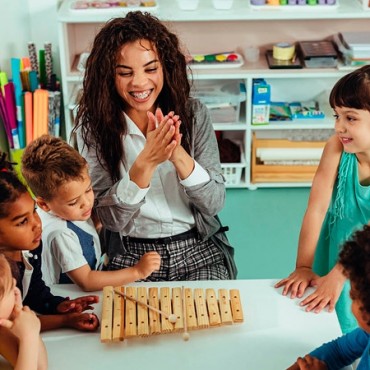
(344, 350)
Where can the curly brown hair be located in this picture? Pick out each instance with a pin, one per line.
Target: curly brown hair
(100, 109)
(49, 162)
(355, 259)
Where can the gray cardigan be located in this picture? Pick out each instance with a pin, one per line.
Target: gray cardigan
(206, 200)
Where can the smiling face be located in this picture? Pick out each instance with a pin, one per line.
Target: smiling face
(353, 129)
(73, 201)
(21, 228)
(138, 78)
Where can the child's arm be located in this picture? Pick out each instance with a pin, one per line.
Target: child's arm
(29, 352)
(75, 320)
(336, 354)
(319, 200)
(308, 363)
(91, 280)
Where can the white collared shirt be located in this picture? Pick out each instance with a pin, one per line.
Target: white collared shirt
(166, 210)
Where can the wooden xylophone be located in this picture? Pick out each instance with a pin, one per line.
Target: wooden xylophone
(137, 311)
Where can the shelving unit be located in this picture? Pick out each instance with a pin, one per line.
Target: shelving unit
(207, 30)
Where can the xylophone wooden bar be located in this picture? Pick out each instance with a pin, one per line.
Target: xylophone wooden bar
(154, 317)
(167, 327)
(136, 311)
(107, 315)
(177, 308)
(118, 310)
(191, 317)
(213, 310)
(142, 313)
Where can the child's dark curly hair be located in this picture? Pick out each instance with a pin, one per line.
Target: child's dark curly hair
(11, 188)
(355, 259)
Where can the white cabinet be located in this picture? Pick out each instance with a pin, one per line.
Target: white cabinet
(207, 30)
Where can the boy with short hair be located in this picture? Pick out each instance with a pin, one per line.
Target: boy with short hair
(58, 176)
(355, 259)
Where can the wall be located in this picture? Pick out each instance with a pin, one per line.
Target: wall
(264, 229)
(24, 21)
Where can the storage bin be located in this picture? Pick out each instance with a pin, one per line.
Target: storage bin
(233, 171)
(223, 99)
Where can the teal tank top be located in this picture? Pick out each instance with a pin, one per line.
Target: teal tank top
(349, 210)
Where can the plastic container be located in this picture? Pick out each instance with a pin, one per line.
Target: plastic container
(222, 4)
(188, 4)
(222, 98)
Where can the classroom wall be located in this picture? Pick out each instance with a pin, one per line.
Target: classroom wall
(264, 229)
(23, 21)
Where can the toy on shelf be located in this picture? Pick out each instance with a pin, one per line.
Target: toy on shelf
(217, 60)
(105, 5)
(295, 5)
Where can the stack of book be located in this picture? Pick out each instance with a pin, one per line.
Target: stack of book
(354, 46)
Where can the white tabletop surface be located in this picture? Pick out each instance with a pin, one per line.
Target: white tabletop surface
(276, 330)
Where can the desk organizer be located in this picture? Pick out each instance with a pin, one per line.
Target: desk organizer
(282, 173)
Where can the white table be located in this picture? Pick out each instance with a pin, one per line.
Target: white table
(276, 330)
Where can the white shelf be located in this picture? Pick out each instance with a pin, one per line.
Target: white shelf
(241, 10)
(308, 124)
(207, 30)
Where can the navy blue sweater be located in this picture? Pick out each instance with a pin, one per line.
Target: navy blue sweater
(39, 298)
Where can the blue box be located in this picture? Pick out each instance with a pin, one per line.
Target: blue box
(261, 98)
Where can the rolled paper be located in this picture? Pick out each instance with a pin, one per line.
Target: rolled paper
(33, 57)
(48, 62)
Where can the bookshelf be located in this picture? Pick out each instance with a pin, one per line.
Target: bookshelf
(233, 29)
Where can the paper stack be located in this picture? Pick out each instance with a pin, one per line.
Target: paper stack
(354, 46)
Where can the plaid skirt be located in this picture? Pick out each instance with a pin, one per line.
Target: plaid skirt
(183, 257)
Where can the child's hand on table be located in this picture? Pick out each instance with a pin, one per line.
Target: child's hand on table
(297, 282)
(327, 292)
(79, 304)
(82, 321)
(308, 363)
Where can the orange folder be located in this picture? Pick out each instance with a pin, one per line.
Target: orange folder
(40, 112)
(28, 114)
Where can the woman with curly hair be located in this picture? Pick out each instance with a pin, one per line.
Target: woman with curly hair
(152, 153)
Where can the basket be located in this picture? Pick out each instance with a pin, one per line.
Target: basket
(233, 171)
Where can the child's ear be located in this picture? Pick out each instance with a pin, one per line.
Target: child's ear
(42, 204)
